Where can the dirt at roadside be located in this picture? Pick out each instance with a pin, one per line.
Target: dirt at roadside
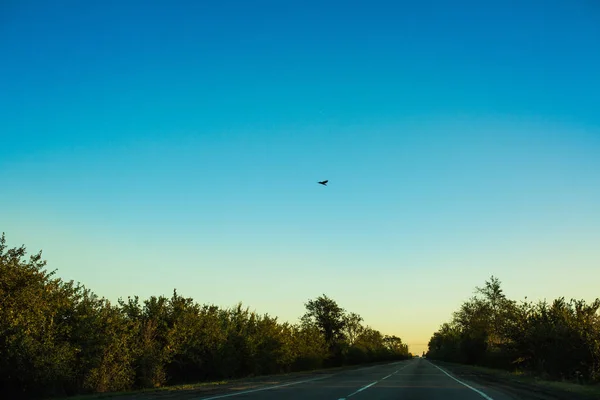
(512, 387)
(194, 392)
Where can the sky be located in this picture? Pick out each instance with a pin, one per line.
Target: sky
(153, 145)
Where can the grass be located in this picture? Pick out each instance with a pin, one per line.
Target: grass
(188, 386)
(210, 384)
(591, 390)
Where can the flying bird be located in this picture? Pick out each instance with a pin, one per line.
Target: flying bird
(324, 183)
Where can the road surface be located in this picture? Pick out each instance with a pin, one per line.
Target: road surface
(416, 379)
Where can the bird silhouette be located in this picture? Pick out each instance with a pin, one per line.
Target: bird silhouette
(324, 183)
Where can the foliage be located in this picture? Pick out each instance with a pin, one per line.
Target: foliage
(556, 341)
(58, 338)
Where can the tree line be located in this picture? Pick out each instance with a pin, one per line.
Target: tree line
(58, 338)
(557, 341)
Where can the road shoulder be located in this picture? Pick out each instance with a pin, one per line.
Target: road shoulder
(208, 389)
(525, 388)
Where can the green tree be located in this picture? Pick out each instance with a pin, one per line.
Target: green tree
(328, 317)
(35, 355)
(352, 327)
(59, 338)
(560, 340)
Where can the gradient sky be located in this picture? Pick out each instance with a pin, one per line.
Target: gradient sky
(147, 145)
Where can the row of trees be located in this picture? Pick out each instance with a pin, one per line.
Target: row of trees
(558, 340)
(59, 338)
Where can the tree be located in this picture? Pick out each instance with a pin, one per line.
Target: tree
(395, 346)
(35, 355)
(352, 327)
(558, 340)
(327, 316)
(501, 311)
(59, 338)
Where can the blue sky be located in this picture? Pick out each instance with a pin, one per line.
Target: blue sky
(147, 146)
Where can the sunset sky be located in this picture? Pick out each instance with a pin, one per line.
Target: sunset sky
(147, 146)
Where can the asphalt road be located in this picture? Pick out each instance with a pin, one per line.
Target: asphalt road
(416, 379)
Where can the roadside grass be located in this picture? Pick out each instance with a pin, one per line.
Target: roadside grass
(258, 379)
(591, 390)
(189, 386)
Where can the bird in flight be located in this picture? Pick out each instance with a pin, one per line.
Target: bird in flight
(324, 183)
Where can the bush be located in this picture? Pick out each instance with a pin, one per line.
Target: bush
(560, 341)
(58, 338)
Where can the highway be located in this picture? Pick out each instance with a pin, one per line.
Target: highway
(416, 379)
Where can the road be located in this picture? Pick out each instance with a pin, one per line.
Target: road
(416, 379)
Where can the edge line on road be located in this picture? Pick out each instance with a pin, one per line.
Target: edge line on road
(485, 396)
(362, 388)
(221, 396)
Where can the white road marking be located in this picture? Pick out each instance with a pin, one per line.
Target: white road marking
(297, 383)
(262, 389)
(485, 396)
(362, 388)
(373, 383)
